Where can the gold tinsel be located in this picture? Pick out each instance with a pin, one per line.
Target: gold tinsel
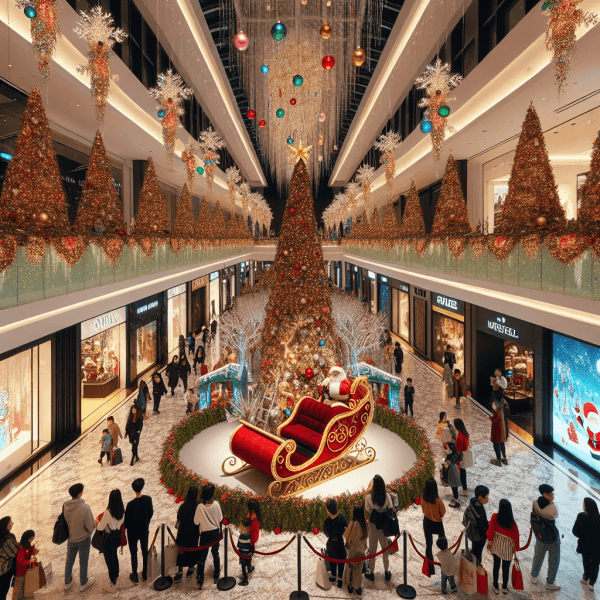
(35, 249)
(479, 244)
(531, 245)
(70, 248)
(456, 246)
(112, 246)
(8, 251)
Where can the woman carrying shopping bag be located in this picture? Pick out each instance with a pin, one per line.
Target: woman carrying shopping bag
(503, 538)
(356, 536)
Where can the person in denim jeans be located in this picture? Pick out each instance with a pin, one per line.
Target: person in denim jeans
(80, 521)
(544, 507)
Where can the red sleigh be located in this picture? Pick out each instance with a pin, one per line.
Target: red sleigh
(316, 443)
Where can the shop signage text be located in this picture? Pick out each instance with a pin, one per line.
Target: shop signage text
(420, 292)
(176, 291)
(447, 303)
(499, 326)
(506, 327)
(198, 283)
(404, 288)
(102, 323)
(150, 306)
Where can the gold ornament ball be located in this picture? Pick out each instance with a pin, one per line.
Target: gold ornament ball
(304, 2)
(154, 227)
(303, 300)
(541, 221)
(325, 31)
(358, 57)
(44, 218)
(328, 2)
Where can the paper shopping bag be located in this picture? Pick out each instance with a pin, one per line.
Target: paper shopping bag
(517, 575)
(171, 553)
(32, 579)
(394, 547)
(153, 564)
(322, 576)
(428, 569)
(482, 581)
(468, 572)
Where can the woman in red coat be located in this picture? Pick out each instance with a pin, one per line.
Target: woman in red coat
(503, 538)
(499, 434)
(254, 516)
(26, 552)
(462, 445)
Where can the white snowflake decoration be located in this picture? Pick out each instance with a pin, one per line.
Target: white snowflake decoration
(388, 142)
(96, 27)
(210, 141)
(437, 77)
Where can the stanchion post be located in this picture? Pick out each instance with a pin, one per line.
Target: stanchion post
(164, 582)
(404, 590)
(225, 583)
(299, 594)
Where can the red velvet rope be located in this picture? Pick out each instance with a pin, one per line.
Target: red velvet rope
(262, 553)
(349, 560)
(201, 547)
(454, 547)
(528, 542)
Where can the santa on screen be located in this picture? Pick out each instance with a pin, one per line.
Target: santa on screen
(589, 419)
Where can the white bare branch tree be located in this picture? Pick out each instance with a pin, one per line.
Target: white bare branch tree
(241, 327)
(358, 328)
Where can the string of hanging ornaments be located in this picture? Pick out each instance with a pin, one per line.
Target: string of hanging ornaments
(96, 29)
(438, 82)
(563, 20)
(210, 144)
(298, 65)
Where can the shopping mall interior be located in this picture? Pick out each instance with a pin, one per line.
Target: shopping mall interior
(359, 243)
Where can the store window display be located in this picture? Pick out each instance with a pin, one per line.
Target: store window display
(518, 365)
(176, 315)
(146, 346)
(448, 331)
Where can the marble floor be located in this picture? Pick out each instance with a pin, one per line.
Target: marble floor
(37, 503)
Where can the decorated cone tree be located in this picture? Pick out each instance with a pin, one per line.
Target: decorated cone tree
(451, 216)
(151, 216)
(589, 213)
(532, 202)
(99, 199)
(413, 224)
(391, 229)
(33, 197)
(375, 226)
(219, 223)
(298, 336)
(205, 229)
(184, 219)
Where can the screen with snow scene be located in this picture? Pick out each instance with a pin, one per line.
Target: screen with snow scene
(576, 398)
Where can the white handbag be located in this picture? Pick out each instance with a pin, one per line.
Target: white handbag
(322, 576)
(467, 460)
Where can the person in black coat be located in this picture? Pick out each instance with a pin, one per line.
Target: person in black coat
(181, 346)
(188, 534)
(172, 372)
(137, 522)
(205, 333)
(398, 357)
(192, 343)
(158, 390)
(133, 429)
(587, 530)
(200, 356)
(184, 371)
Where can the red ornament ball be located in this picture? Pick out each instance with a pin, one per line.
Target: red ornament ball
(292, 211)
(225, 521)
(318, 323)
(88, 185)
(297, 267)
(277, 530)
(261, 123)
(325, 311)
(309, 372)
(121, 232)
(293, 101)
(251, 114)
(328, 62)
(316, 531)
(307, 229)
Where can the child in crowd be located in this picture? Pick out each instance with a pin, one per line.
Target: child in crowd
(106, 443)
(191, 397)
(409, 394)
(27, 551)
(255, 522)
(246, 549)
(447, 566)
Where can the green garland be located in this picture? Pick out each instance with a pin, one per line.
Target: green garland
(291, 514)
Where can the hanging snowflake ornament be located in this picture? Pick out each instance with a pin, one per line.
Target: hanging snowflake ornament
(245, 190)
(233, 178)
(45, 30)
(170, 94)
(438, 82)
(96, 29)
(387, 144)
(563, 20)
(188, 156)
(210, 144)
(364, 176)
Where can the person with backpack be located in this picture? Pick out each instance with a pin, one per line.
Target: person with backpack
(547, 538)
(377, 502)
(476, 522)
(587, 532)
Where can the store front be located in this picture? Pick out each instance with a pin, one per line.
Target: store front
(25, 405)
(401, 310)
(103, 360)
(508, 344)
(146, 334)
(227, 288)
(215, 306)
(369, 290)
(176, 316)
(383, 295)
(199, 303)
(576, 399)
(448, 328)
(243, 273)
(337, 273)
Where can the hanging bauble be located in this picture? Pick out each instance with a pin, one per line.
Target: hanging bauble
(426, 126)
(261, 123)
(298, 80)
(280, 113)
(304, 2)
(546, 5)
(325, 31)
(322, 118)
(328, 3)
(30, 12)
(541, 221)
(161, 113)
(290, 140)
(309, 372)
(251, 114)
(321, 140)
(328, 62)
(200, 170)
(43, 217)
(241, 41)
(264, 69)
(278, 31)
(293, 101)
(358, 57)
(444, 110)
(322, 343)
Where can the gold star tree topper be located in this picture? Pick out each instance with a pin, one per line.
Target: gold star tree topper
(299, 153)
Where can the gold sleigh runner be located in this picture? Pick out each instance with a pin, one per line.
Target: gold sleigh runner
(315, 444)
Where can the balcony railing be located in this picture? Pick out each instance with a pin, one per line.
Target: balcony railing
(24, 282)
(580, 279)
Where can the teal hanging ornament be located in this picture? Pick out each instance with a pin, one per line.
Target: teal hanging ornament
(322, 343)
(290, 140)
(546, 5)
(444, 110)
(161, 113)
(287, 412)
(280, 113)
(30, 12)
(200, 170)
(426, 126)
(298, 80)
(278, 31)
(264, 69)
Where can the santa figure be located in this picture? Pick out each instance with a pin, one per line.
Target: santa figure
(589, 419)
(335, 389)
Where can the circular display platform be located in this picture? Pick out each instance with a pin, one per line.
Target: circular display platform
(206, 452)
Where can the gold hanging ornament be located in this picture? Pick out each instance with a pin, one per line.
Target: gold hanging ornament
(387, 144)
(364, 176)
(358, 57)
(325, 31)
(233, 178)
(299, 153)
(96, 29)
(210, 143)
(188, 156)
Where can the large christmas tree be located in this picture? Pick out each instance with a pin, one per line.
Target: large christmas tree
(99, 200)
(204, 229)
(219, 231)
(532, 202)
(184, 219)
(451, 217)
(298, 336)
(413, 224)
(33, 197)
(151, 216)
(589, 213)
(391, 229)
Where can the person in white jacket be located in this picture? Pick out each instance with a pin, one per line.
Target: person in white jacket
(208, 517)
(111, 521)
(544, 507)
